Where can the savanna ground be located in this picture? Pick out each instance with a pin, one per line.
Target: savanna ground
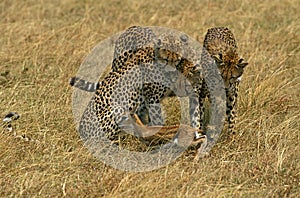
(43, 44)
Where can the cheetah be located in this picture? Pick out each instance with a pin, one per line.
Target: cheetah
(121, 93)
(219, 44)
(169, 48)
(147, 75)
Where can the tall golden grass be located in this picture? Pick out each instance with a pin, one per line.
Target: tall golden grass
(42, 45)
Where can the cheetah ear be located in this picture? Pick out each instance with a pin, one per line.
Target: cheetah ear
(241, 64)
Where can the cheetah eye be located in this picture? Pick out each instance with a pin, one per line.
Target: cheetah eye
(220, 56)
(196, 67)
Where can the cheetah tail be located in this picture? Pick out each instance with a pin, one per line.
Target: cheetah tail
(83, 84)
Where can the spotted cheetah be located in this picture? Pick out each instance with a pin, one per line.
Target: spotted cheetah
(219, 44)
(173, 49)
(146, 76)
(169, 48)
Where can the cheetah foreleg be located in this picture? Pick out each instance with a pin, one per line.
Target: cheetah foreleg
(197, 115)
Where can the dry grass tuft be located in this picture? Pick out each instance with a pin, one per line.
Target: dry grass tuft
(44, 42)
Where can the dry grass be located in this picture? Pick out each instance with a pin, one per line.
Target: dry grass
(44, 42)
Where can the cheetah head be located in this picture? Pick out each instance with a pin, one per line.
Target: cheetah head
(221, 45)
(177, 61)
(230, 67)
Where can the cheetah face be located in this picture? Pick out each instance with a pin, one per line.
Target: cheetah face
(176, 52)
(231, 68)
(170, 58)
